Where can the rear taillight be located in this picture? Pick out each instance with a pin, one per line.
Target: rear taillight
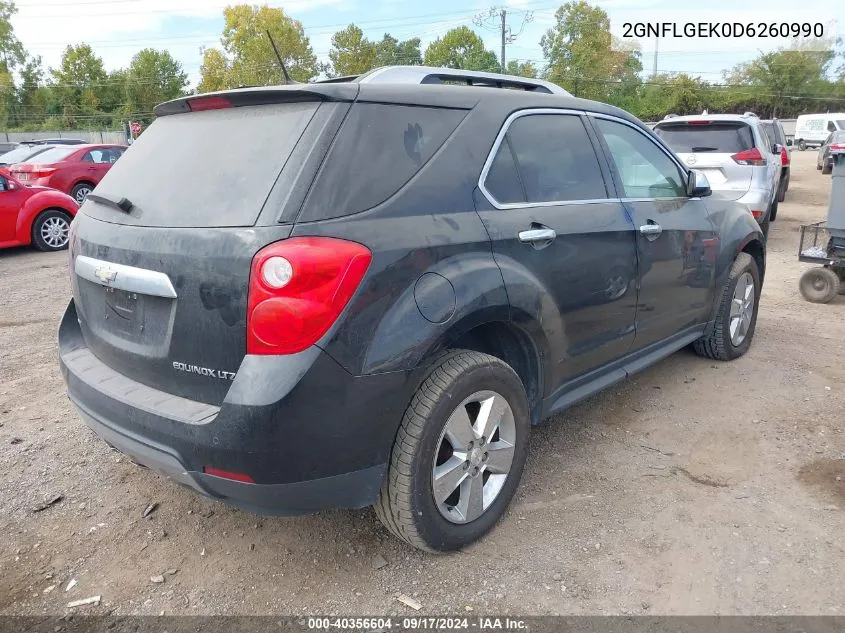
(35, 171)
(297, 290)
(227, 474)
(750, 157)
(784, 157)
(837, 147)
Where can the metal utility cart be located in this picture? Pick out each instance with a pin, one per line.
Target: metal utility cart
(824, 242)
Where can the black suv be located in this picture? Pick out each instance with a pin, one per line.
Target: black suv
(364, 292)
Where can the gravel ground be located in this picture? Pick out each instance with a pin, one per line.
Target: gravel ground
(695, 488)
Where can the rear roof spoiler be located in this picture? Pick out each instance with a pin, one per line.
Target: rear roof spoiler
(262, 95)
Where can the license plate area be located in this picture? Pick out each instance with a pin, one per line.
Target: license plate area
(131, 321)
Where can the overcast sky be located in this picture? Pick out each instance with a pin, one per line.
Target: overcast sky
(116, 29)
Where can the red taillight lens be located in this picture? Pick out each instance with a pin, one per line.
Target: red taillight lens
(837, 147)
(750, 157)
(209, 103)
(784, 157)
(297, 290)
(225, 474)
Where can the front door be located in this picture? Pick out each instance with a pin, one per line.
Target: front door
(676, 241)
(554, 224)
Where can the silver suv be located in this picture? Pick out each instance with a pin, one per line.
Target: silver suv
(739, 159)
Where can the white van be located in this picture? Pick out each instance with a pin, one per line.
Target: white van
(812, 129)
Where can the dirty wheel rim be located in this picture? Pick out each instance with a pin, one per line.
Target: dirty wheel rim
(82, 193)
(474, 456)
(742, 308)
(54, 232)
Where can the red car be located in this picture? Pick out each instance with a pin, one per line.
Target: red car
(34, 215)
(73, 169)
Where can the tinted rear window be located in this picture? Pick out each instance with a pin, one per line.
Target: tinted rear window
(719, 138)
(53, 155)
(21, 153)
(377, 151)
(204, 169)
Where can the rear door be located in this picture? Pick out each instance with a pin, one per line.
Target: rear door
(676, 240)
(161, 291)
(712, 147)
(553, 221)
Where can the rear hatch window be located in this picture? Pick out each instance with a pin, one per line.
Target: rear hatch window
(52, 155)
(204, 169)
(718, 138)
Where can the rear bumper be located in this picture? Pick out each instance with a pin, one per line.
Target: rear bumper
(308, 434)
(758, 202)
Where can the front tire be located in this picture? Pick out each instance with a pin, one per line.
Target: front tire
(819, 285)
(51, 230)
(802, 145)
(459, 453)
(736, 317)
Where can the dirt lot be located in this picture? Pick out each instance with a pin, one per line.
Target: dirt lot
(696, 488)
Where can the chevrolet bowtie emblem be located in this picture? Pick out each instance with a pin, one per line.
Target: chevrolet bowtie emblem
(105, 274)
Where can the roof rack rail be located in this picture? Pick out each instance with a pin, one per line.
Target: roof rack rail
(749, 113)
(431, 75)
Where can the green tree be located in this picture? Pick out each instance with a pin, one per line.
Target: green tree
(153, 77)
(522, 69)
(583, 57)
(351, 53)
(248, 54)
(78, 83)
(12, 53)
(392, 52)
(461, 48)
(214, 71)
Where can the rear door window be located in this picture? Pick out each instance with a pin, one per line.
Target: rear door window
(204, 169)
(554, 160)
(718, 138)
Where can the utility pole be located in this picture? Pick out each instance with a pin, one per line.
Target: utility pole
(508, 36)
(654, 66)
(504, 37)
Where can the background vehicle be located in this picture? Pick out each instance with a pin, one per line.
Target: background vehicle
(54, 141)
(774, 130)
(824, 161)
(422, 307)
(22, 153)
(734, 152)
(812, 129)
(73, 169)
(34, 215)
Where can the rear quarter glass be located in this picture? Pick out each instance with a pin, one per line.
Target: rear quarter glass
(379, 148)
(204, 169)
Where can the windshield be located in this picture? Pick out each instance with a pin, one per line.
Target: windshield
(204, 169)
(22, 153)
(718, 137)
(52, 155)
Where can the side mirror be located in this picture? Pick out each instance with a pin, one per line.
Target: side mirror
(698, 185)
(789, 142)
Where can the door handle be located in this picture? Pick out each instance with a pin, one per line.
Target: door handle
(651, 230)
(537, 235)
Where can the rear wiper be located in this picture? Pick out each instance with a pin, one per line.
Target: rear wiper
(704, 148)
(124, 204)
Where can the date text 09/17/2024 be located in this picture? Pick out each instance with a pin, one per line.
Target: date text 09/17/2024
(420, 623)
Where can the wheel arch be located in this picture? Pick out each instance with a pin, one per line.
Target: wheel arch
(30, 211)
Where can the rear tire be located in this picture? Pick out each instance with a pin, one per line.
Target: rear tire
(773, 211)
(819, 285)
(439, 441)
(784, 185)
(736, 315)
(51, 230)
(826, 168)
(81, 191)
